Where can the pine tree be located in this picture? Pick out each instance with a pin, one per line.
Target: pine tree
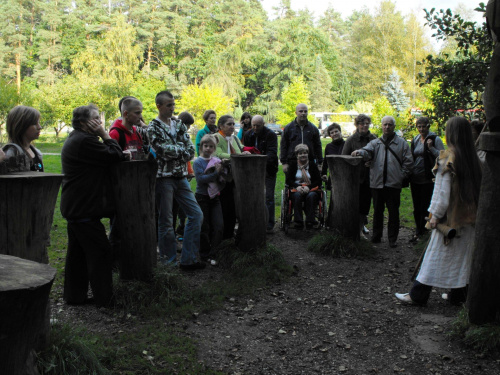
(394, 92)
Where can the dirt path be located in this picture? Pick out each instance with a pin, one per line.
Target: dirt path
(336, 316)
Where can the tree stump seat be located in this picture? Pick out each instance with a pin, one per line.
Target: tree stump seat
(24, 297)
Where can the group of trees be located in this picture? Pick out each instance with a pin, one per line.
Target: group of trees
(225, 54)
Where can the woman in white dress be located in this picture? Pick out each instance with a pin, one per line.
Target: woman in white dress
(454, 203)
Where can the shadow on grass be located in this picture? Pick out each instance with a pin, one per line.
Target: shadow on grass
(485, 338)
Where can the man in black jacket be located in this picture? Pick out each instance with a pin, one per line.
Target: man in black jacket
(300, 131)
(266, 141)
(87, 197)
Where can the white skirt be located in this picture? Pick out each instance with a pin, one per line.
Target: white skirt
(448, 266)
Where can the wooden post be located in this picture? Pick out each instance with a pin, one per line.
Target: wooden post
(249, 173)
(344, 174)
(27, 201)
(24, 299)
(483, 301)
(134, 190)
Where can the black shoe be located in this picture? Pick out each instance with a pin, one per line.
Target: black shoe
(393, 244)
(193, 267)
(311, 224)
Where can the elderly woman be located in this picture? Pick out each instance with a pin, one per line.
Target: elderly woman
(23, 127)
(245, 124)
(210, 117)
(303, 179)
(447, 263)
(227, 145)
(425, 149)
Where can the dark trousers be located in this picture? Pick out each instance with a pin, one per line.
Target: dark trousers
(421, 194)
(365, 198)
(212, 228)
(88, 260)
(390, 198)
(228, 210)
(270, 186)
(311, 200)
(420, 293)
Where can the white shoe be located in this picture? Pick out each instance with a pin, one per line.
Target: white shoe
(444, 296)
(365, 230)
(404, 297)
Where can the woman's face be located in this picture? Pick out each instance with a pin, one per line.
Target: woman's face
(228, 127)
(246, 121)
(423, 129)
(32, 132)
(335, 134)
(211, 119)
(303, 156)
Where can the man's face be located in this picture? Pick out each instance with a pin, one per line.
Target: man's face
(257, 125)
(301, 112)
(166, 109)
(134, 116)
(388, 127)
(363, 127)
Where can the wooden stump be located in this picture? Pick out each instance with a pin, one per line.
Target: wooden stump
(27, 201)
(344, 174)
(24, 299)
(134, 190)
(249, 173)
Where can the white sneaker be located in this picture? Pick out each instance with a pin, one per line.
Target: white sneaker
(444, 296)
(404, 297)
(365, 230)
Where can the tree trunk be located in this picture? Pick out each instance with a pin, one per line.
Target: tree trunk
(134, 190)
(249, 173)
(344, 174)
(27, 201)
(483, 300)
(24, 300)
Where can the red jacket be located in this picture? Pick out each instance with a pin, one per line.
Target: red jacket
(128, 140)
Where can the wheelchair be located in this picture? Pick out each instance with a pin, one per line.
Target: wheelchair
(320, 212)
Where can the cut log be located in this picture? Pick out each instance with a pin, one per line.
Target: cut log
(249, 173)
(344, 174)
(27, 201)
(24, 299)
(134, 190)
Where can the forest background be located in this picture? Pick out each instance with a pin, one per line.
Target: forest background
(229, 56)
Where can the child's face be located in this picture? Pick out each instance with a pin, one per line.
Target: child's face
(207, 149)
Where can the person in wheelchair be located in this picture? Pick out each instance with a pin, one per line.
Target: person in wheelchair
(304, 180)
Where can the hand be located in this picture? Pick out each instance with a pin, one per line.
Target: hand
(246, 153)
(2, 155)
(142, 124)
(128, 155)
(434, 222)
(300, 189)
(285, 168)
(429, 143)
(305, 190)
(324, 178)
(354, 153)
(95, 127)
(218, 168)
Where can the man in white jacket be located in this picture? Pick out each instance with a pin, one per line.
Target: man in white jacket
(391, 164)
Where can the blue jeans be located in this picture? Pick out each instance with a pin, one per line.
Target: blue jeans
(270, 185)
(168, 189)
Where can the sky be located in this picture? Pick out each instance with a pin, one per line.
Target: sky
(345, 7)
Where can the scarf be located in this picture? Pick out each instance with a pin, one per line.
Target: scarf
(230, 148)
(303, 170)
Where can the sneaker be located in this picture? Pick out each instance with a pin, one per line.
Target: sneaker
(405, 298)
(444, 296)
(193, 267)
(366, 230)
(212, 262)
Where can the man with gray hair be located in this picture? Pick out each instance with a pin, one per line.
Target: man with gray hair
(391, 164)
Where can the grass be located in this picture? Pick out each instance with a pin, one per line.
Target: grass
(485, 338)
(337, 246)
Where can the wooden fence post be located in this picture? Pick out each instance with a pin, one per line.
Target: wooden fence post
(27, 201)
(249, 173)
(344, 174)
(24, 301)
(134, 190)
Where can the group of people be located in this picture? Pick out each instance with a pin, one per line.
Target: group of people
(389, 161)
